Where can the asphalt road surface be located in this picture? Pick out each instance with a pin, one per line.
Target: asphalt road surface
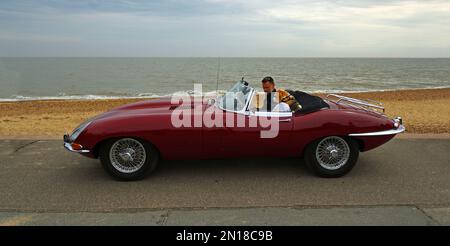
(406, 181)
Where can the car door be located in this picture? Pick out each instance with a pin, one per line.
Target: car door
(250, 135)
(264, 134)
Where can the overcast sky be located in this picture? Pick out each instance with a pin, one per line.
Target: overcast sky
(286, 28)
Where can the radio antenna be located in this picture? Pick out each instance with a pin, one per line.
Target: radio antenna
(218, 73)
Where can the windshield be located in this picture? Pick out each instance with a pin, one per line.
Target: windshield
(236, 98)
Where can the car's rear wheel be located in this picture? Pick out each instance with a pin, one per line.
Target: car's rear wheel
(331, 156)
(128, 158)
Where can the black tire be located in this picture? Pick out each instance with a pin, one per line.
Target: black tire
(149, 164)
(314, 165)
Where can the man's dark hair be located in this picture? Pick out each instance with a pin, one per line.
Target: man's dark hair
(267, 79)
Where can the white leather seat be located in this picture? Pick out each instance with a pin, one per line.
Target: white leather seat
(282, 107)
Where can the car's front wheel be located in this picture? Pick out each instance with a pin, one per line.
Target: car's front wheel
(128, 158)
(331, 156)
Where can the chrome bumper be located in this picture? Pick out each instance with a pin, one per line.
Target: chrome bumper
(399, 129)
(68, 146)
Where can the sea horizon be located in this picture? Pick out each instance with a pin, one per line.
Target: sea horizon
(47, 78)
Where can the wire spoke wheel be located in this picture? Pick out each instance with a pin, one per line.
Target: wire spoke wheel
(332, 153)
(127, 155)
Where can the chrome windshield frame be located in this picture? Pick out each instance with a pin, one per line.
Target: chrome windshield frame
(244, 110)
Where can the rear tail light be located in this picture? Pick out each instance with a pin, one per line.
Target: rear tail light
(398, 121)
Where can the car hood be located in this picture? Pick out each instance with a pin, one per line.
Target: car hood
(158, 106)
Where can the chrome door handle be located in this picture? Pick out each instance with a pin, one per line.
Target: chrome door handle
(285, 120)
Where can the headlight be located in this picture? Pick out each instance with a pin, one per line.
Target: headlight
(79, 130)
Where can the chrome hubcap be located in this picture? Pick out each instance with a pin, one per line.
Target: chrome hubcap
(332, 153)
(127, 155)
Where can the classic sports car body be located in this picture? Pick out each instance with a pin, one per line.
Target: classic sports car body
(131, 139)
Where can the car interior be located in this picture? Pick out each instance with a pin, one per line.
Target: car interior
(308, 102)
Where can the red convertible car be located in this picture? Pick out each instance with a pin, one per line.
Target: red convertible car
(327, 132)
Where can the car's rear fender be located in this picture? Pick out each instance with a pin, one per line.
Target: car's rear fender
(310, 127)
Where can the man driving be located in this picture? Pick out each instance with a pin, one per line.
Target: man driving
(276, 99)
